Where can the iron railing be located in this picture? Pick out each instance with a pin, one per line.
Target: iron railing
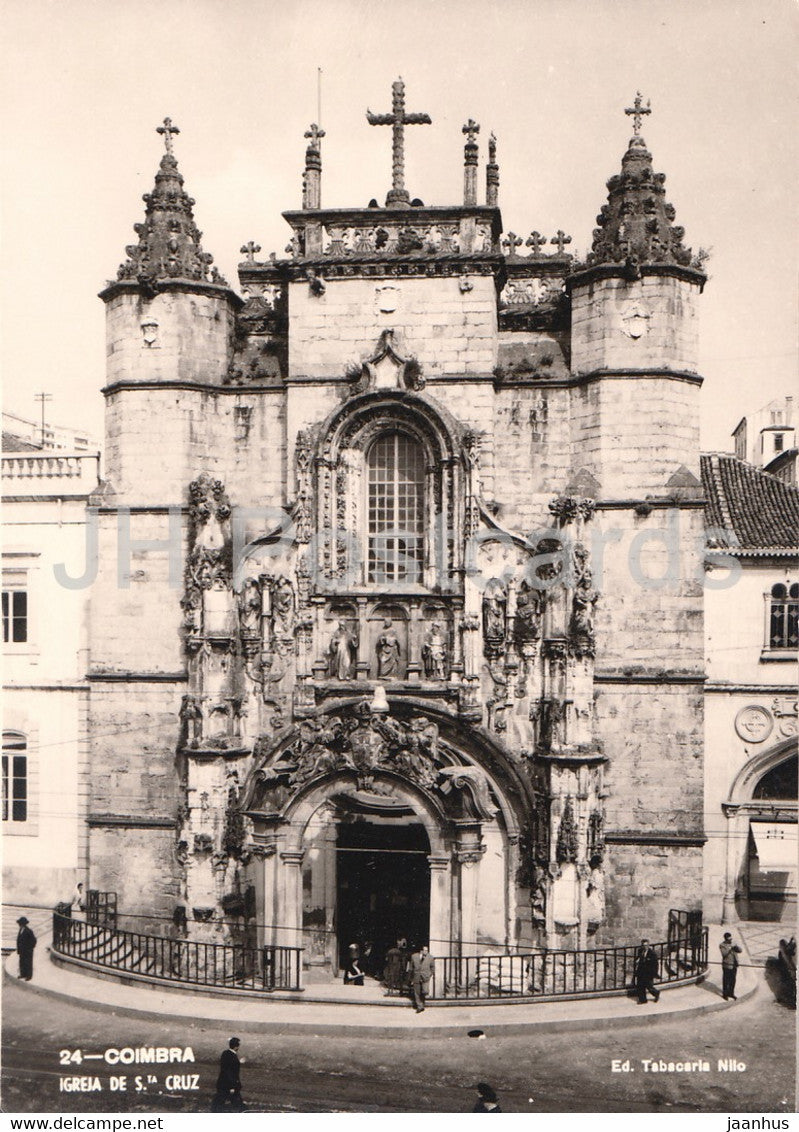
(101, 907)
(555, 974)
(230, 965)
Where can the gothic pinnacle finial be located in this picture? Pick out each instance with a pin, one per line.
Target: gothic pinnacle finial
(167, 130)
(492, 173)
(638, 111)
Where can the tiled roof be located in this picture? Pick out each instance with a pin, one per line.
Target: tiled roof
(12, 443)
(759, 511)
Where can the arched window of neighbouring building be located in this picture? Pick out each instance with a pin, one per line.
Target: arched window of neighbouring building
(784, 616)
(15, 777)
(396, 482)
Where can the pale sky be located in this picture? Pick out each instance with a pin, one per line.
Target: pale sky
(85, 84)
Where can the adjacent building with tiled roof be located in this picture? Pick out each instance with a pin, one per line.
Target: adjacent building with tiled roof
(748, 510)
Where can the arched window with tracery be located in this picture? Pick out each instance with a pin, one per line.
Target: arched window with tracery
(784, 616)
(395, 509)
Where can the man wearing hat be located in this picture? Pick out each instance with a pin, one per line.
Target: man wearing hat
(729, 965)
(26, 941)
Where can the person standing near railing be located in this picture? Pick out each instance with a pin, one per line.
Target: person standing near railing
(646, 971)
(26, 941)
(78, 903)
(421, 974)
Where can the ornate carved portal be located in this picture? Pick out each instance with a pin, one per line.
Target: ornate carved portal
(308, 677)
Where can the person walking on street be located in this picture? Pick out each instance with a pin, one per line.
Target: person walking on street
(421, 974)
(646, 971)
(729, 965)
(26, 941)
(228, 1085)
(486, 1099)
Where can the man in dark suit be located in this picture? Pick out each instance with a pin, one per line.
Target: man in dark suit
(729, 964)
(26, 941)
(421, 974)
(646, 971)
(228, 1085)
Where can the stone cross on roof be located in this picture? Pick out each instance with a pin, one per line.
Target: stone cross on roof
(561, 239)
(638, 110)
(398, 120)
(471, 129)
(250, 249)
(168, 130)
(315, 133)
(536, 242)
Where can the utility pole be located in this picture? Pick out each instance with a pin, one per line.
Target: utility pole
(43, 397)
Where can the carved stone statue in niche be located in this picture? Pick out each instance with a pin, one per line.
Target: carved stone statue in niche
(342, 653)
(434, 653)
(250, 608)
(283, 607)
(495, 603)
(388, 652)
(581, 626)
(529, 611)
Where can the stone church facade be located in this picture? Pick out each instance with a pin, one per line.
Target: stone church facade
(398, 627)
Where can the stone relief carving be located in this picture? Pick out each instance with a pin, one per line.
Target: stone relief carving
(495, 601)
(581, 625)
(342, 653)
(567, 840)
(754, 724)
(388, 652)
(209, 564)
(434, 653)
(363, 743)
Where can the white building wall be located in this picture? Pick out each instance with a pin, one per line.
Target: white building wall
(750, 708)
(45, 697)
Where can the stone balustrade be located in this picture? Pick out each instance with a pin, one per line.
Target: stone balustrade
(45, 473)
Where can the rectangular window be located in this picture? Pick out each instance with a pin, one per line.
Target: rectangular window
(15, 781)
(15, 616)
(778, 439)
(784, 617)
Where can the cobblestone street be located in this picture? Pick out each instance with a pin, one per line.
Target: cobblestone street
(549, 1072)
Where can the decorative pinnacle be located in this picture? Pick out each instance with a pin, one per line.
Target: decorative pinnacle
(638, 111)
(398, 120)
(315, 133)
(168, 130)
(492, 147)
(471, 129)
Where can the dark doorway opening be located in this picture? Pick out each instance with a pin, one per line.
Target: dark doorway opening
(383, 881)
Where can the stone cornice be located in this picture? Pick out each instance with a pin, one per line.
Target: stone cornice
(655, 837)
(138, 677)
(185, 286)
(621, 271)
(130, 821)
(649, 677)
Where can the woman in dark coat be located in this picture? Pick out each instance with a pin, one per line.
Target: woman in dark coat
(26, 941)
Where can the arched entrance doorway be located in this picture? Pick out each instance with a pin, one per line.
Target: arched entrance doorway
(382, 888)
(761, 873)
(370, 824)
